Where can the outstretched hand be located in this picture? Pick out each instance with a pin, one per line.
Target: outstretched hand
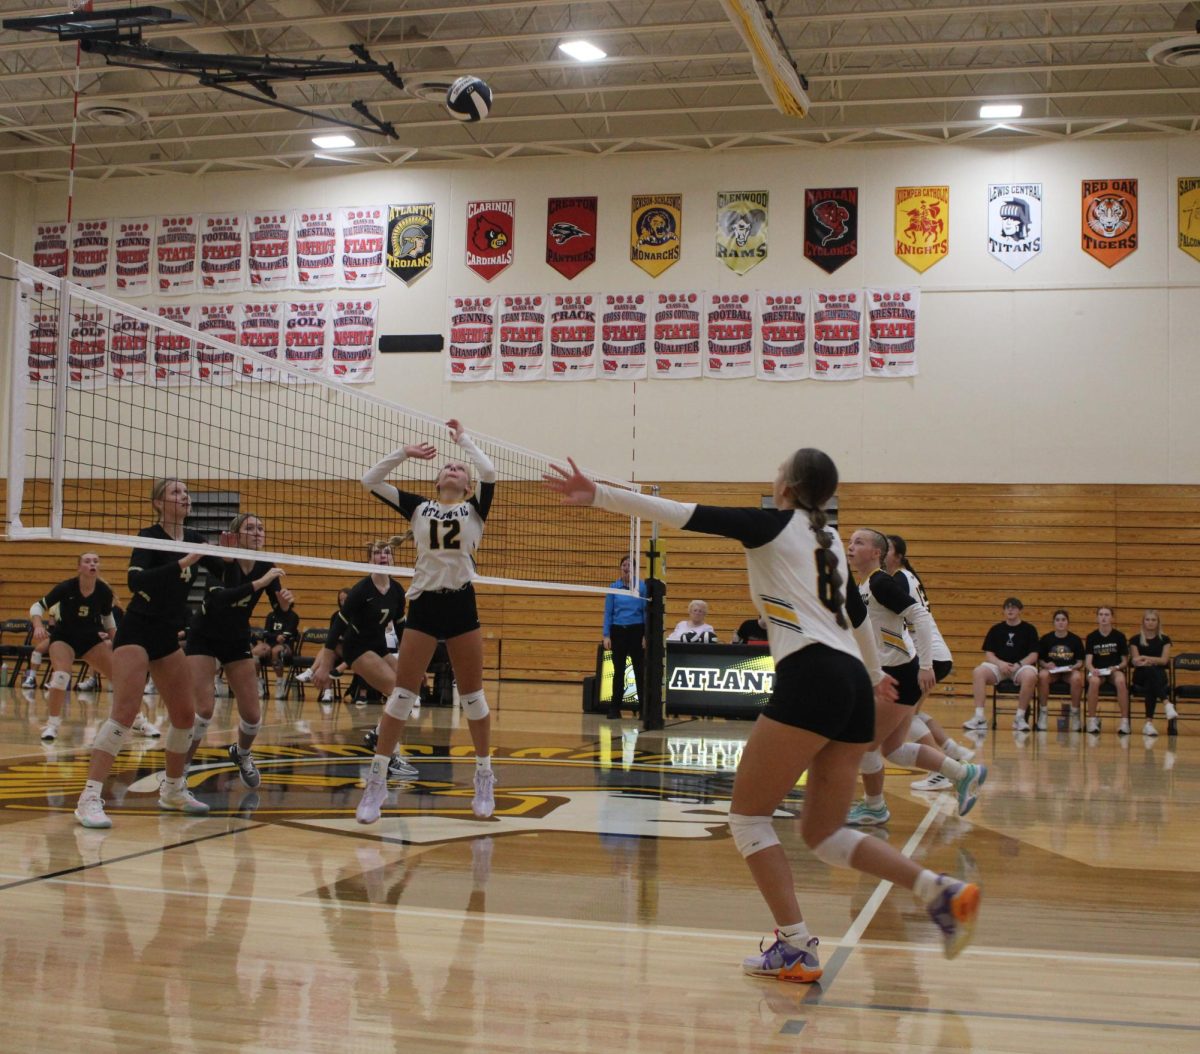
(574, 486)
(421, 451)
(456, 429)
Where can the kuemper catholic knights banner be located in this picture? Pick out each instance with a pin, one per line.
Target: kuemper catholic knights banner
(655, 231)
(742, 228)
(922, 225)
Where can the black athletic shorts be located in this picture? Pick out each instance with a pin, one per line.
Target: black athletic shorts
(906, 678)
(444, 614)
(225, 650)
(824, 691)
(941, 669)
(354, 648)
(80, 639)
(157, 637)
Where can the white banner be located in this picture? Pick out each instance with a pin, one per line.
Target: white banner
(133, 244)
(837, 334)
(50, 248)
(675, 335)
(729, 335)
(471, 349)
(216, 363)
(352, 344)
(176, 251)
(260, 328)
(306, 337)
(362, 231)
(624, 336)
(91, 247)
(782, 336)
(316, 250)
(87, 348)
(172, 352)
(892, 331)
(1014, 222)
(521, 338)
(222, 252)
(269, 256)
(574, 336)
(128, 349)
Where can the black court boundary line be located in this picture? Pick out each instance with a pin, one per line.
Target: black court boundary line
(129, 856)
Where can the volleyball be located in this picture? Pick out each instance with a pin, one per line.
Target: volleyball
(469, 99)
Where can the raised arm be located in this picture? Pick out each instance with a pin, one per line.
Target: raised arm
(374, 479)
(482, 463)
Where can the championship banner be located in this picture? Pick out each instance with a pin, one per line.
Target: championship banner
(521, 341)
(91, 246)
(50, 248)
(574, 336)
(675, 335)
(831, 226)
(42, 353)
(171, 352)
(410, 241)
(655, 231)
(624, 336)
(316, 263)
(87, 348)
(1014, 222)
(216, 362)
(305, 337)
(837, 335)
(128, 349)
(222, 252)
(742, 228)
(176, 247)
(490, 236)
(260, 328)
(269, 258)
(728, 334)
(892, 332)
(1110, 219)
(782, 336)
(133, 240)
(922, 225)
(470, 351)
(571, 234)
(362, 233)
(352, 345)
(1189, 215)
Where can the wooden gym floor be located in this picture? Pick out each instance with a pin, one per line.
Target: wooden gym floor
(603, 908)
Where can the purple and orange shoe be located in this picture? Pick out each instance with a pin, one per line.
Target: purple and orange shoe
(785, 961)
(955, 912)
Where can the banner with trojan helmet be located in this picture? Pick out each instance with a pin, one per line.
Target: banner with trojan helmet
(742, 228)
(655, 231)
(831, 227)
(410, 241)
(1110, 219)
(1014, 222)
(490, 236)
(571, 234)
(1189, 215)
(922, 225)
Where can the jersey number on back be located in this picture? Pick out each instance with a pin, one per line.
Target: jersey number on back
(825, 582)
(448, 539)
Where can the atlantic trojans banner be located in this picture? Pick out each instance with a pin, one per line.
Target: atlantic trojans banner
(362, 233)
(470, 349)
(260, 329)
(352, 339)
(133, 242)
(410, 241)
(1110, 219)
(831, 226)
(315, 264)
(269, 258)
(521, 338)
(305, 337)
(728, 335)
(625, 336)
(675, 335)
(176, 253)
(892, 332)
(1189, 215)
(922, 225)
(782, 336)
(837, 335)
(222, 253)
(571, 234)
(490, 226)
(742, 228)
(655, 231)
(1014, 222)
(91, 245)
(574, 336)
(216, 363)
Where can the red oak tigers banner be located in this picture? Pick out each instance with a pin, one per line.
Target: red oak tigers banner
(521, 340)
(172, 352)
(728, 335)
(176, 253)
(352, 341)
(571, 234)
(91, 246)
(574, 336)
(215, 361)
(892, 332)
(1110, 219)
(490, 236)
(133, 243)
(260, 329)
(675, 335)
(624, 336)
(471, 348)
(782, 336)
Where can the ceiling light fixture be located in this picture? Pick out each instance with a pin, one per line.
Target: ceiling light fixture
(333, 142)
(1000, 111)
(582, 51)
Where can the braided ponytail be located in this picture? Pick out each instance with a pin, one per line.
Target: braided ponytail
(900, 548)
(812, 479)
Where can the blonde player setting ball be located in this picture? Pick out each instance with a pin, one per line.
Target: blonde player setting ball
(821, 716)
(446, 531)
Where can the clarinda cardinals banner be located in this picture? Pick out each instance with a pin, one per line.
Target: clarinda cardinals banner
(728, 335)
(91, 246)
(176, 253)
(222, 252)
(655, 231)
(352, 339)
(742, 228)
(831, 226)
(269, 259)
(837, 334)
(783, 336)
(1014, 222)
(315, 264)
(1110, 219)
(260, 329)
(128, 349)
(892, 332)
(133, 242)
(574, 336)
(471, 349)
(172, 353)
(306, 337)
(571, 234)
(410, 241)
(490, 226)
(521, 337)
(922, 225)
(362, 232)
(50, 248)
(675, 335)
(624, 336)
(1189, 215)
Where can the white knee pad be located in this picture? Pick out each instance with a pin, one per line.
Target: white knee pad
(248, 729)
(752, 834)
(474, 705)
(60, 679)
(872, 762)
(918, 730)
(838, 848)
(905, 755)
(199, 728)
(177, 740)
(111, 737)
(400, 704)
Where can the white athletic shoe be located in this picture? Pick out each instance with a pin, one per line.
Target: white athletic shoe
(143, 727)
(88, 684)
(327, 695)
(280, 689)
(371, 803)
(50, 732)
(1148, 729)
(305, 676)
(483, 804)
(180, 799)
(1123, 727)
(935, 781)
(1076, 724)
(976, 724)
(30, 680)
(1020, 724)
(1041, 720)
(90, 812)
(1093, 726)
(957, 751)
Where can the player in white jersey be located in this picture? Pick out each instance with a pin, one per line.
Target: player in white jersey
(892, 609)
(446, 531)
(821, 714)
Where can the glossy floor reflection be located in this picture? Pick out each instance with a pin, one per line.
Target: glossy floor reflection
(603, 907)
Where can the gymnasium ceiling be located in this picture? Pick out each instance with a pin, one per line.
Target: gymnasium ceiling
(678, 78)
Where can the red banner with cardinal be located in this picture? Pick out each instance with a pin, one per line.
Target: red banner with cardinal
(490, 227)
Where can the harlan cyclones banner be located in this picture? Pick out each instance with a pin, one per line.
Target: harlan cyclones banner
(490, 236)
(741, 228)
(315, 263)
(362, 232)
(521, 339)
(215, 362)
(1110, 219)
(655, 231)
(305, 337)
(837, 334)
(571, 234)
(222, 254)
(172, 352)
(1014, 222)
(1189, 215)
(269, 260)
(50, 248)
(892, 332)
(410, 241)
(352, 339)
(91, 246)
(574, 336)
(260, 328)
(728, 334)
(831, 226)
(922, 225)
(675, 335)
(624, 336)
(176, 245)
(133, 240)
(783, 336)
(471, 348)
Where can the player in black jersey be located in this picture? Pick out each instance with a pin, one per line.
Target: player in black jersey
(821, 715)
(219, 636)
(147, 642)
(281, 631)
(83, 628)
(339, 666)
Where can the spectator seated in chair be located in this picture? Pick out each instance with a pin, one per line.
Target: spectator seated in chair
(1010, 654)
(1060, 661)
(1106, 650)
(695, 628)
(281, 630)
(1150, 659)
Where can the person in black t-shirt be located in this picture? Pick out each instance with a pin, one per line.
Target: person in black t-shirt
(1105, 652)
(1060, 661)
(1010, 654)
(1150, 658)
(281, 630)
(753, 629)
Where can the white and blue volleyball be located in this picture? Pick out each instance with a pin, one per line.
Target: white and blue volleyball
(469, 99)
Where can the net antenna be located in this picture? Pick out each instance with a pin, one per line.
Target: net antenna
(782, 80)
(106, 397)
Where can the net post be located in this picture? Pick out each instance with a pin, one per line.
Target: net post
(652, 705)
(18, 375)
(62, 372)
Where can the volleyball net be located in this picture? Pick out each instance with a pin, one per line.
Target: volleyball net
(106, 397)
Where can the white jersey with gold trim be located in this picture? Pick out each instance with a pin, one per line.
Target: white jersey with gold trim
(940, 650)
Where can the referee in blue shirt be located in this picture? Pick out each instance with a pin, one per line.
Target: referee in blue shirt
(625, 635)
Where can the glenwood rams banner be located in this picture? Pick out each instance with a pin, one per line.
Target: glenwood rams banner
(742, 228)
(133, 240)
(128, 349)
(43, 346)
(305, 337)
(216, 362)
(1110, 219)
(831, 226)
(87, 347)
(1189, 215)
(655, 231)
(624, 336)
(675, 335)
(410, 241)
(362, 231)
(490, 226)
(270, 255)
(176, 254)
(470, 351)
(571, 234)
(91, 245)
(222, 253)
(315, 264)
(1014, 222)
(837, 334)
(352, 340)
(728, 335)
(50, 248)
(521, 338)
(574, 336)
(922, 225)
(260, 329)
(782, 335)
(172, 353)
(892, 331)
